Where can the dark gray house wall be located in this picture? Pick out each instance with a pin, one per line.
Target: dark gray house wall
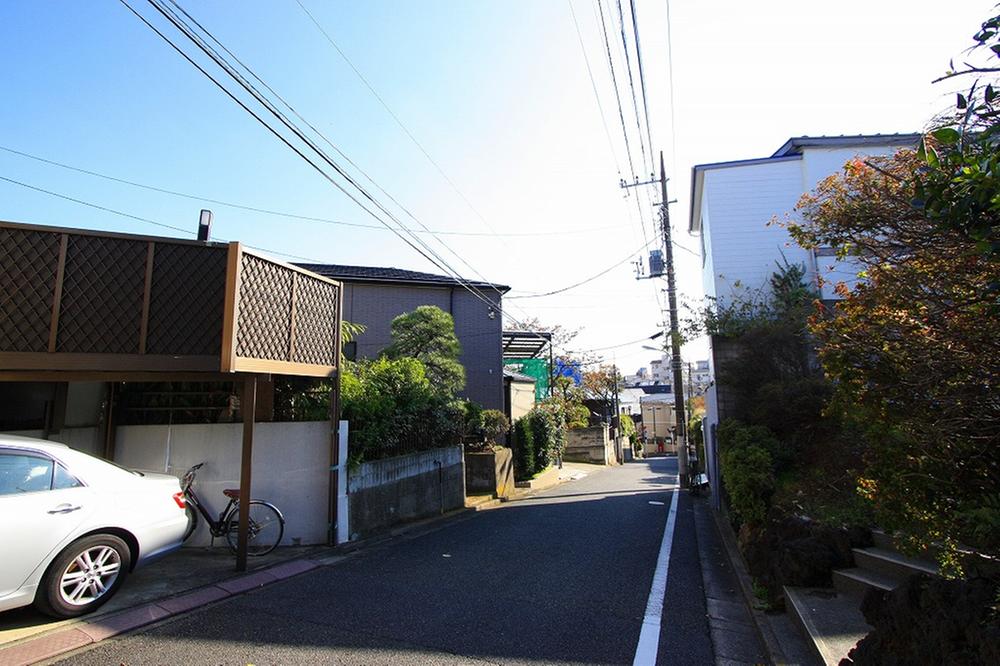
(375, 303)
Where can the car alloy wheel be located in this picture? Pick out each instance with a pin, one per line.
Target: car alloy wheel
(90, 575)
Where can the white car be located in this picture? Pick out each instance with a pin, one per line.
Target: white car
(72, 526)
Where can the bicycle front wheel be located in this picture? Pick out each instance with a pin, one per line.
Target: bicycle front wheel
(266, 527)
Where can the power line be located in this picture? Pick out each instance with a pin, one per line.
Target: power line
(621, 114)
(621, 344)
(635, 104)
(415, 243)
(670, 73)
(631, 85)
(593, 86)
(642, 77)
(614, 83)
(208, 50)
(396, 118)
(93, 205)
(139, 218)
(590, 279)
(279, 213)
(231, 70)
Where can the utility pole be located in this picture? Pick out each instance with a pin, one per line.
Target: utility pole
(675, 338)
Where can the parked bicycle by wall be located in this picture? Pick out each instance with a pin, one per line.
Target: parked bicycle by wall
(266, 524)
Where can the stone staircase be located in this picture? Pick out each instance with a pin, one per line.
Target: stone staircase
(831, 619)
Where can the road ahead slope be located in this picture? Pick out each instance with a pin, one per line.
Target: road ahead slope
(561, 577)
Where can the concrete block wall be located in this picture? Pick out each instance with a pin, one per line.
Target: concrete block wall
(590, 445)
(386, 492)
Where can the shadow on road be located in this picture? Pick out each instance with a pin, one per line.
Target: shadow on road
(559, 582)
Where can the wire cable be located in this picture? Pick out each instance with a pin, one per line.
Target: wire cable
(279, 213)
(415, 243)
(590, 279)
(335, 148)
(593, 86)
(631, 85)
(621, 116)
(177, 21)
(396, 118)
(642, 78)
(140, 218)
(670, 78)
(621, 344)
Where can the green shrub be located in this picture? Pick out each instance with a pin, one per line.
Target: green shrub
(747, 469)
(524, 449)
(393, 409)
(628, 428)
(793, 409)
(495, 425)
(544, 437)
(737, 434)
(473, 419)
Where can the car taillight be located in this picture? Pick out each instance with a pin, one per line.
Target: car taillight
(181, 502)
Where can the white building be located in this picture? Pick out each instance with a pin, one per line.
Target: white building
(640, 377)
(661, 371)
(731, 205)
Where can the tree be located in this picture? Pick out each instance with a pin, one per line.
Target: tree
(913, 348)
(428, 335)
(602, 384)
(959, 188)
(566, 403)
(561, 336)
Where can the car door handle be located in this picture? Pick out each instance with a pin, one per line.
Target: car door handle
(65, 508)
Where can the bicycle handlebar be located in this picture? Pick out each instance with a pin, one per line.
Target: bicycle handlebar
(189, 475)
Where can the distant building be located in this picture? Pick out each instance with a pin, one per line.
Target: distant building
(697, 376)
(641, 376)
(519, 394)
(660, 371)
(375, 296)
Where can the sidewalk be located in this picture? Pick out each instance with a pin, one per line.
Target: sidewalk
(28, 641)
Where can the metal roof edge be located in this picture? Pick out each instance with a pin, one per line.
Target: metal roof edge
(697, 179)
(799, 142)
(430, 280)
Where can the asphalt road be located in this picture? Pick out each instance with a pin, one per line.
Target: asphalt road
(560, 578)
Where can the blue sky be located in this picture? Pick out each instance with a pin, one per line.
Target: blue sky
(496, 91)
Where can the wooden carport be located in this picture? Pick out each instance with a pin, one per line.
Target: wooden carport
(78, 305)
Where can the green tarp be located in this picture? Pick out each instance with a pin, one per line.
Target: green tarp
(532, 367)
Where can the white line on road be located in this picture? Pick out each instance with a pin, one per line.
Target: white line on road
(649, 636)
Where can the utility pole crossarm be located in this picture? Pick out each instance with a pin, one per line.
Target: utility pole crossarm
(625, 186)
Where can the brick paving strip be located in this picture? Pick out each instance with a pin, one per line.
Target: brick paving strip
(47, 646)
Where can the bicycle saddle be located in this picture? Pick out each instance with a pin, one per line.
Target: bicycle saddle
(232, 493)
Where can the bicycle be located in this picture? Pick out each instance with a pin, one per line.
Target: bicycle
(266, 524)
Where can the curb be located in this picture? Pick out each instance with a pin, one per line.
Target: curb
(764, 631)
(84, 634)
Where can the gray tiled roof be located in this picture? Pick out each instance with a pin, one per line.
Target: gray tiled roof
(397, 275)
